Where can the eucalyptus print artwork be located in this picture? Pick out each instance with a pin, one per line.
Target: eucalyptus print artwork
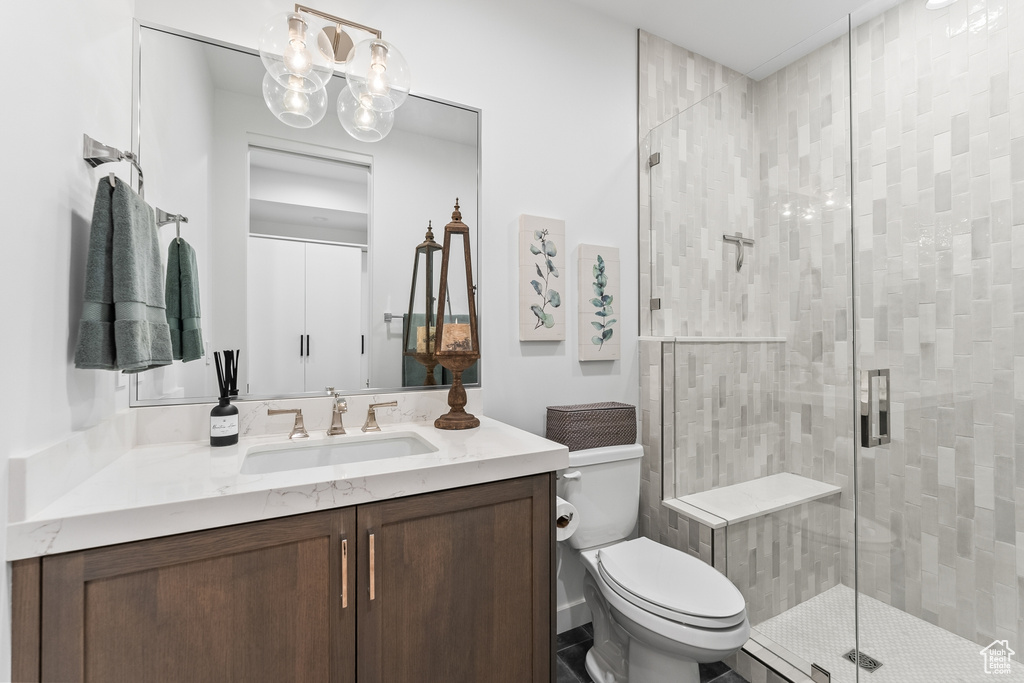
(541, 279)
(599, 287)
(603, 302)
(545, 248)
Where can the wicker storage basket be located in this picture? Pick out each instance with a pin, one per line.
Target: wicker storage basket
(592, 425)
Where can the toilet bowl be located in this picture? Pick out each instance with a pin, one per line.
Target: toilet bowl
(657, 612)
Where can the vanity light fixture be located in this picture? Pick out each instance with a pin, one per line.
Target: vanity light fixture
(301, 51)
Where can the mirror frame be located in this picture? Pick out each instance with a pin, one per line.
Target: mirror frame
(136, 136)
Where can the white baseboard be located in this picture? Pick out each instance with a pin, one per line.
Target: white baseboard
(572, 615)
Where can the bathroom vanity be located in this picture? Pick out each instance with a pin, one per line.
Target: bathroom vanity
(428, 567)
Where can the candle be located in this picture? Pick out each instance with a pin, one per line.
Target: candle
(456, 337)
(422, 341)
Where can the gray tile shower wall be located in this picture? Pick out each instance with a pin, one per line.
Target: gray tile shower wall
(803, 136)
(671, 81)
(783, 559)
(729, 415)
(938, 193)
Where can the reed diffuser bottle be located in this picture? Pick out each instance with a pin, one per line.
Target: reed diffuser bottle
(224, 416)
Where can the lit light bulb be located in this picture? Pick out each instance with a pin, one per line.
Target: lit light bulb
(365, 118)
(296, 102)
(379, 83)
(297, 58)
(378, 80)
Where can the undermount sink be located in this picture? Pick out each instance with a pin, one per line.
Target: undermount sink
(343, 451)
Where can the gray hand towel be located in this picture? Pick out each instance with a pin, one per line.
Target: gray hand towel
(124, 298)
(95, 349)
(182, 292)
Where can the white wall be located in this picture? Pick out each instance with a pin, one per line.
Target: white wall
(84, 86)
(557, 87)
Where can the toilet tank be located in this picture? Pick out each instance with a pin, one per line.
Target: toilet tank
(606, 493)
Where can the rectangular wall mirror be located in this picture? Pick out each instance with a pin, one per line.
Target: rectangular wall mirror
(305, 238)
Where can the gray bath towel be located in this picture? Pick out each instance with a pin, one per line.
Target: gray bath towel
(123, 326)
(182, 293)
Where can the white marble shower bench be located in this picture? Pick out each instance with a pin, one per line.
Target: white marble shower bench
(727, 505)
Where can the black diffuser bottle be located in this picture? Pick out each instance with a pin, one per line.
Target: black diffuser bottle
(224, 416)
(224, 423)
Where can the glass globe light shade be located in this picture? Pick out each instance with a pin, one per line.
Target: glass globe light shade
(296, 108)
(361, 122)
(294, 45)
(375, 69)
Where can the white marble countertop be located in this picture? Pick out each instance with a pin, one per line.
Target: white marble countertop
(161, 489)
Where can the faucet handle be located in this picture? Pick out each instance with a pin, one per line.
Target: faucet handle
(371, 416)
(298, 428)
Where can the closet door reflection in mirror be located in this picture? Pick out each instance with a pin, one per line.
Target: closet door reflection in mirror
(308, 235)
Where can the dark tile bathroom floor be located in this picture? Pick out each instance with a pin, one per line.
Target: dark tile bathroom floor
(572, 649)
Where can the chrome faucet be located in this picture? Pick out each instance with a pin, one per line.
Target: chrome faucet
(299, 428)
(340, 406)
(371, 416)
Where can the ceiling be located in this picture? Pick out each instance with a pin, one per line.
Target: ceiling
(754, 37)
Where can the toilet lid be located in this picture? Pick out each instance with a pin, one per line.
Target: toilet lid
(671, 579)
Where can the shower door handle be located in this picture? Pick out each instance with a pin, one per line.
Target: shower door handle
(870, 415)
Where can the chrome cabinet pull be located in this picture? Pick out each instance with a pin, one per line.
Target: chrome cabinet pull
(868, 416)
(372, 569)
(344, 573)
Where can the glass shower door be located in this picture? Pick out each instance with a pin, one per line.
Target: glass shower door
(938, 157)
(756, 356)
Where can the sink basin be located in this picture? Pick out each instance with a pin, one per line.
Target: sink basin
(345, 450)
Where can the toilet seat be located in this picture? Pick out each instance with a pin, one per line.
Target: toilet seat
(671, 584)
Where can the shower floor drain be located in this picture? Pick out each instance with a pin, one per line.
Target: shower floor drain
(864, 661)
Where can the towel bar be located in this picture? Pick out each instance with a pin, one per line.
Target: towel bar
(96, 153)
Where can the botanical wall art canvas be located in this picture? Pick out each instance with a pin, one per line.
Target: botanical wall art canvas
(542, 285)
(599, 327)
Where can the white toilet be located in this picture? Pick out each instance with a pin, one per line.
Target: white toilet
(657, 611)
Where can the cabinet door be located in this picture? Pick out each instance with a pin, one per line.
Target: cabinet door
(255, 602)
(277, 316)
(461, 585)
(333, 316)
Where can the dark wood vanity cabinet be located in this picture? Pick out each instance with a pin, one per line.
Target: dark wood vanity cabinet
(449, 586)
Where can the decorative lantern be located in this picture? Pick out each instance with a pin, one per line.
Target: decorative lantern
(457, 343)
(420, 338)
